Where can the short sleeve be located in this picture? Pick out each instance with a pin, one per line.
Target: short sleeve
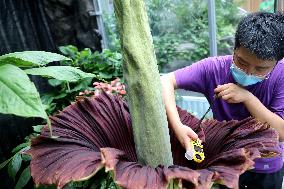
(193, 77)
(277, 104)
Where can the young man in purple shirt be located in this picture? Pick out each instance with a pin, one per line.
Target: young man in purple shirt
(248, 83)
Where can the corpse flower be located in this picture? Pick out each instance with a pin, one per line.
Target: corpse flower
(96, 133)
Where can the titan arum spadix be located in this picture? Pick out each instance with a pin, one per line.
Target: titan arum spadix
(141, 74)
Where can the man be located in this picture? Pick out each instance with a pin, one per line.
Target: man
(248, 83)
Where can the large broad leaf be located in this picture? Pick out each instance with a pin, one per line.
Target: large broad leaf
(63, 73)
(31, 58)
(18, 95)
(96, 133)
(15, 165)
(24, 178)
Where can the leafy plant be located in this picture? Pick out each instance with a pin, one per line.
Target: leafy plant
(18, 160)
(106, 64)
(105, 67)
(63, 93)
(19, 95)
(67, 82)
(102, 180)
(166, 48)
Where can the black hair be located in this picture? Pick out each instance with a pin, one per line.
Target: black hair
(263, 34)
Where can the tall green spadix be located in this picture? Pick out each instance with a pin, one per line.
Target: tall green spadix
(144, 95)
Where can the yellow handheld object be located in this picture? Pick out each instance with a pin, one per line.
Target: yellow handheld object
(196, 153)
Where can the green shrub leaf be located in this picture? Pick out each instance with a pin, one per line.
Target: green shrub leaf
(38, 128)
(63, 73)
(31, 58)
(14, 165)
(69, 50)
(54, 82)
(24, 178)
(83, 84)
(20, 146)
(26, 157)
(19, 95)
(3, 164)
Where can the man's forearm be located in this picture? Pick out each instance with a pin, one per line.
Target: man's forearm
(169, 99)
(264, 115)
(182, 132)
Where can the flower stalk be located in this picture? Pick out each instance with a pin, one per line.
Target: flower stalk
(150, 126)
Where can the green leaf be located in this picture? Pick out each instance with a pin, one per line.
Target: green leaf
(18, 94)
(54, 82)
(14, 165)
(103, 184)
(47, 98)
(26, 157)
(63, 73)
(24, 178)
(86, 52)
(105, 76)
(31, 58)
(61, 95)
(20, 146)
(38, 128)
(3, 164)
(69, 186)
(82, 85)
(68, 50)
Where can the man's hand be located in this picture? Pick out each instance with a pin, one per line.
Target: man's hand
(232, 93)
(185, 134)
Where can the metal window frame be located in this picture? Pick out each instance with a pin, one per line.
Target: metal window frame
(98, 14)
(212, 28)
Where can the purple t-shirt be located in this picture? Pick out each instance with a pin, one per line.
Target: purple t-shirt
(205, 75)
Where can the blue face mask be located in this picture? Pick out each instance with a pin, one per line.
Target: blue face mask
(244, 79)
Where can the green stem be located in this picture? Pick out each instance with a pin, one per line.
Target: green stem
(49, 126)
(68, 86)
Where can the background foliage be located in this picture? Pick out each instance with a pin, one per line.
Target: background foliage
(105, 65)
(180, 29)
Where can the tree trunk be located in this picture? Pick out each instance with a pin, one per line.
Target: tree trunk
(150, 126)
